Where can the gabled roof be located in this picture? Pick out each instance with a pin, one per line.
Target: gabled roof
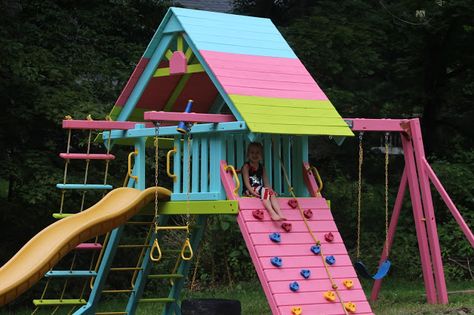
(240, 60)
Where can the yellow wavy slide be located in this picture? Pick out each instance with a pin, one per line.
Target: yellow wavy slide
(45, 249)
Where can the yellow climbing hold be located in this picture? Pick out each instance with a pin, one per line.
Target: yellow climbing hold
(348, 283)
(330, 296)
(296, 310)
(350, 307)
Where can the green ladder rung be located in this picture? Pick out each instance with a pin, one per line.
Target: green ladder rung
(157, 300)
(62, 215)
(166, 276)
(52, 302)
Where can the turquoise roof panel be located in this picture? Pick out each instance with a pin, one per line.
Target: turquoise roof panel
(233, 33)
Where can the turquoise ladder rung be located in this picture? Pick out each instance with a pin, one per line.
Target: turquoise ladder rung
(84, 186)
(70, 273)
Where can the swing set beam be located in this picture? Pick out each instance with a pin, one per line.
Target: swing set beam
(417, 176)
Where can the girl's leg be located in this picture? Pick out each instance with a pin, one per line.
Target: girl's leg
(273, 214)
(276, 207)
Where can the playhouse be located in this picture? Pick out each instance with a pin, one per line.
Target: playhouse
(206, 86)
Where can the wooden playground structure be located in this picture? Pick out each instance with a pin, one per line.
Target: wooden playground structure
(246, 84)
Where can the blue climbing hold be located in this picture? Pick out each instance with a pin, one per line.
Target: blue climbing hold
(316, 249)
(275, 237)
(294, 286)
(330, 260)
(276, 261)
(305, 273)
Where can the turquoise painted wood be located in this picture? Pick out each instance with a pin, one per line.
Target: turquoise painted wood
(277, 164)
(268, 157)
(210, 17)
(286, 158)
(230, 144)
(177, 165)
(84, 186)
(216, 195)
(70, 274)
(216, 148)
(186, 166)
(296, 165)
(196, 143)
(139, 166)
(173, 26)
(204, 178)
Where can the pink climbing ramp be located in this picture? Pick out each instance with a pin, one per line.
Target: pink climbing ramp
(294, 249)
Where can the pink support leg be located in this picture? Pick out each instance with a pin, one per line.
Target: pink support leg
(419, 223)
(391, 231)
(429, 213)
(449, 203)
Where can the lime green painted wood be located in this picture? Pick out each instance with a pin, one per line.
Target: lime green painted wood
(290, 116)
(168, 54)
(136, 115)
(164, 72)
(189, 53)
(61, 215)
(179, 43)
(157, 300)
(53, 302)
(196, 207)
(299, 129)
(177, 92)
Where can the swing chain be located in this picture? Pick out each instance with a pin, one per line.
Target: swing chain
(156, 245)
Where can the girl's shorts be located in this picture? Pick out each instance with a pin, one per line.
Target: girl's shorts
(264, 192)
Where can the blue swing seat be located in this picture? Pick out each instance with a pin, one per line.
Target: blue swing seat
(381, 271)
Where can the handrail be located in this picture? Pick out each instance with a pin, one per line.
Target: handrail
(130, 175)
(316, 175)
(168, 163)
(236, 178)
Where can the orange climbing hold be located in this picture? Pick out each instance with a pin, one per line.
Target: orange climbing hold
(348, 283)
(350, 307)
(330, 296)
(296, 310)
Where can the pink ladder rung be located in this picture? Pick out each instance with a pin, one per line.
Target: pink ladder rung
(89, 246)
(85, 156)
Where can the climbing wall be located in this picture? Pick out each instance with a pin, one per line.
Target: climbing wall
(280, 262)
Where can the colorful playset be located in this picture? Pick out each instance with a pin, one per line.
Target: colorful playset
(207, 85)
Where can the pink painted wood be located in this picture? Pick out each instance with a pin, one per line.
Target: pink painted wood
(137, 72)
(89, 246)
(363, 124)
(294, 249)
(268, 76)
(418, 216)
(449, 203)
(391, 231)
(100, 124)
(191, 117)
(85, 156)
(428, 208)
(314, 94)
(178, 63)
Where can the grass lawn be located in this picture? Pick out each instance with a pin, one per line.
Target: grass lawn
(396, 298)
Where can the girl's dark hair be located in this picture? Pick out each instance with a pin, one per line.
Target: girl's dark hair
(255, 145)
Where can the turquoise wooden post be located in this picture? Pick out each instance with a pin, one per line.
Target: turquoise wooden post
(268, 157)
(195, 164)
(177, 165)
(286, 157)
(186, 164)
(204, 165)
(217, 149)
(139, 167)
(230, 144)
(276, 152)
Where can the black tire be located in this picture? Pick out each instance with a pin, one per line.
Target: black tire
(210, 307)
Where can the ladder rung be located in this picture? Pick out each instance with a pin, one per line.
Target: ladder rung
(70, 273)
(172, 227)
(85, 156)
(118, 291)
(89, 246)
(133, 246)
(50, 302)
(157, 300)
(83, 186)
(166, 276)
(62, 215)
(126, 268)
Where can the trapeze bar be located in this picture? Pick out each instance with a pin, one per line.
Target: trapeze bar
(171, 130)
(363, 124)
(191, 117)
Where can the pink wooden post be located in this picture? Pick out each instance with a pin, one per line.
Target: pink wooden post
(447, 200)
(418, 218)
(391, 231)
(429, 212)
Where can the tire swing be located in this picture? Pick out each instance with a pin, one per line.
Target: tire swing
(359, 266)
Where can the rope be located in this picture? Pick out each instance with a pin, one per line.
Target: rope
(359, 192)
(86, 173)
(63, 192)
(315, 239)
